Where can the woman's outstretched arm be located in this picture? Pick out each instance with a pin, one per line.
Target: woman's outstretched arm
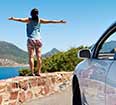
(25, 20)
(45, 21)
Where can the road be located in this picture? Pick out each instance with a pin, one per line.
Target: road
(62, 98)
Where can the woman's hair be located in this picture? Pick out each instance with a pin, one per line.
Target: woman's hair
(34, 14)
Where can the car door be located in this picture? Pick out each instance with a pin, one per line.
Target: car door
(108, 49)
(92, 77)
(111, 85)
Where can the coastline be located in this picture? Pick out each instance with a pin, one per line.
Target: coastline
(18, 65)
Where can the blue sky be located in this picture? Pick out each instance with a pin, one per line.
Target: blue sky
(86, 21)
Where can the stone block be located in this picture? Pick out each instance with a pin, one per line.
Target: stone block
(29, 95)
(12, 103)
(23, 85)
(13, 95)
(33, 82)
(22, 97)
(1, 100)
(12, 85)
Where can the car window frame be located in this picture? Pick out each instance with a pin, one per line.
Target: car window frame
(102, 39)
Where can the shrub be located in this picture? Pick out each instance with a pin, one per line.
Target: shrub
(24, 72)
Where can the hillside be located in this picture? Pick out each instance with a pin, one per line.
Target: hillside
(50, 53)
(11, 54)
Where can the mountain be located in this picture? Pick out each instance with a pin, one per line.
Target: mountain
(109, 47)
(50, 53)
(11, 54)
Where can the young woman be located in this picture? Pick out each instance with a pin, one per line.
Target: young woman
(34, 39)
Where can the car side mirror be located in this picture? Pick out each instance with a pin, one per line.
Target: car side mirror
(84, 53)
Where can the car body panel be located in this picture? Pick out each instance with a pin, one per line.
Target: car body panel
(111, 85)
(92, 80)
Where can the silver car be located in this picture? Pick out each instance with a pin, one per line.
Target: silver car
(94, 79)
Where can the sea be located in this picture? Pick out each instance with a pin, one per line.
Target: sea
(9, 72)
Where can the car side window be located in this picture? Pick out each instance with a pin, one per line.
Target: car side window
(108, 49)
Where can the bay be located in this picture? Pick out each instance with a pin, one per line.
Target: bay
(9, 72)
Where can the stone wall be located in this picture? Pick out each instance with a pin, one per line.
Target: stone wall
(16, 91)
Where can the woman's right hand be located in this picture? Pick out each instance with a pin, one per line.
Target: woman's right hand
(10, 18)
(62, 21)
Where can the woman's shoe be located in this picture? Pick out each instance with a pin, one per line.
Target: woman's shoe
(32, 74)
(38, 75)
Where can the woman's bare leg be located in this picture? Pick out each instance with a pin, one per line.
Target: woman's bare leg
(31, 59)
(39, 60)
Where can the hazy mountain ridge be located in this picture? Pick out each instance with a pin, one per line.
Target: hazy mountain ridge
(109, 46)
(12, 55)
(50, 53)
